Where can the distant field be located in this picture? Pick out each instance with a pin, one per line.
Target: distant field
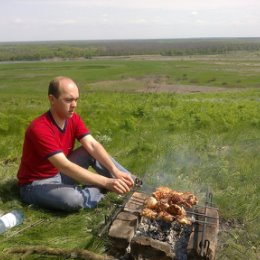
(189, 123)
(222, 71)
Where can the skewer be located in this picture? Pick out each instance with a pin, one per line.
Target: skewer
(206, 206)
(200, 214)
(203, 222)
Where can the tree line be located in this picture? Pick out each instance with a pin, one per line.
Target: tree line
(33, 51)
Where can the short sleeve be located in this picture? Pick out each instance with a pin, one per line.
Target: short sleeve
(81, 129)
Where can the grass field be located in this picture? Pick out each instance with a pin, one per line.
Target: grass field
(189, 140)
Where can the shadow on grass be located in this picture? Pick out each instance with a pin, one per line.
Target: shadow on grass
(9, 191)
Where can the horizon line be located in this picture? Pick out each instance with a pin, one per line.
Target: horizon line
(132, 39)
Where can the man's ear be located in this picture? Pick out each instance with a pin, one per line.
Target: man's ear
(51, 98)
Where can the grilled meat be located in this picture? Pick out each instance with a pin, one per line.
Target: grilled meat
(168, 205)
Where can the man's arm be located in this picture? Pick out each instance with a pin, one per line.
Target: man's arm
(96, 150)
(84, 176)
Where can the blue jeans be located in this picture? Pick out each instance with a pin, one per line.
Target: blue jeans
(62, 192)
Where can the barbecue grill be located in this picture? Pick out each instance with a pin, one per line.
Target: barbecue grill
(135, 237)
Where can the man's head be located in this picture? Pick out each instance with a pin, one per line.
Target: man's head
(63, 95)
(57, 83)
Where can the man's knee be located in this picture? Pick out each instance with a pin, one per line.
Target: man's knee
(92, 196)
(72, 201)
(81, 198)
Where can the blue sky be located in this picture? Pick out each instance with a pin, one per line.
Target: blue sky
(43, 20)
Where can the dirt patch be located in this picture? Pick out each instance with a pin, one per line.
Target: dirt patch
(156, 84)
(184, 89)
(159, 84)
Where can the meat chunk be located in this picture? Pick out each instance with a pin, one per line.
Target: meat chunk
(169, 205)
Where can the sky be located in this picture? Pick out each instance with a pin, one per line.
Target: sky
(51, 20)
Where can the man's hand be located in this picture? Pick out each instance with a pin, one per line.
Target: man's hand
(122, 182)
(126, 177)
(117, 185)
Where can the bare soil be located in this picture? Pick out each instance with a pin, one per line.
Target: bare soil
(157, 84)
(184, 89)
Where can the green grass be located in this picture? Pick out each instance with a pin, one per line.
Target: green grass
(189, 142)
(33, 77)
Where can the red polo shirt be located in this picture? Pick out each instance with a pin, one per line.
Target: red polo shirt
(43, 139)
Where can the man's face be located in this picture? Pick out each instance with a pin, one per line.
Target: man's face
(65, 105)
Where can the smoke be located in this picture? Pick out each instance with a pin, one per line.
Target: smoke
(178, 169)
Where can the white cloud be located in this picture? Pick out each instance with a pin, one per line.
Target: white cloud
(200, 21)
(140, 21)
(64, 22)
(17, 20)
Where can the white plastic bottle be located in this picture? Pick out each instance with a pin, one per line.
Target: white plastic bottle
(10, 220)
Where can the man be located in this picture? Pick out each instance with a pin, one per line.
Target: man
(50, 171)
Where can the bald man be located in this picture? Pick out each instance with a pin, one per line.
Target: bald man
(52, 174)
